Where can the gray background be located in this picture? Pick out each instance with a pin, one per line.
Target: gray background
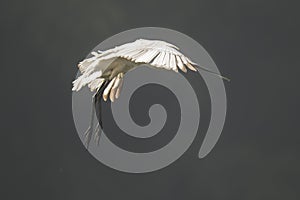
(255, 43)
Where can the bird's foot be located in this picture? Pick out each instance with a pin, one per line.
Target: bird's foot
(87, 136)
(98, 132)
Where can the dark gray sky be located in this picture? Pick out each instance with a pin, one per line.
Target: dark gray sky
(255, 43)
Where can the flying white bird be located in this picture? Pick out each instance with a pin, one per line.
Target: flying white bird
(104, 71)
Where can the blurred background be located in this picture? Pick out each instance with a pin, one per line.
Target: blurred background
(255, 43)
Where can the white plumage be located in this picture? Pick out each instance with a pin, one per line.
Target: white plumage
(155, 53)
(108, 67)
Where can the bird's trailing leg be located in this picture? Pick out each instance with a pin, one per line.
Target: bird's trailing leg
(99, 126)
(89, 131)
(107, 90)
(97, 134)
(98, 106)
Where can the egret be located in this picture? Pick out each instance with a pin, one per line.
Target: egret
(103, 72)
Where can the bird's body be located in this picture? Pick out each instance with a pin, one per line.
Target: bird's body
(104, 71)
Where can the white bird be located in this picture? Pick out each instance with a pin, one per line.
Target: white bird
(104, 71)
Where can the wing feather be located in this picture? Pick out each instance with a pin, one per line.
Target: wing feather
(166, 61)
(157, 61)
(173, 63)
(148, 57)
(180, 64)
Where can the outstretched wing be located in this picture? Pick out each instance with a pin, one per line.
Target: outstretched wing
(156, 53)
